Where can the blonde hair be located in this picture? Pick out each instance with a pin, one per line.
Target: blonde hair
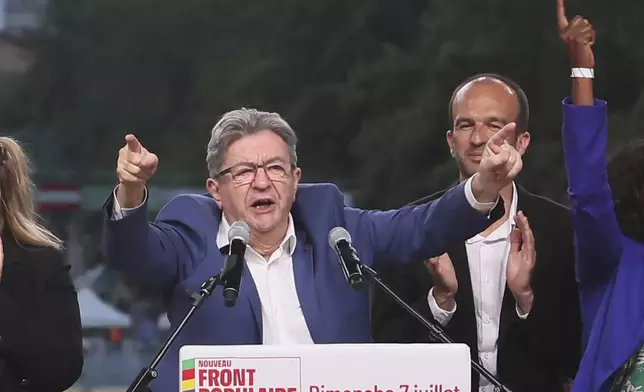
(17, 195)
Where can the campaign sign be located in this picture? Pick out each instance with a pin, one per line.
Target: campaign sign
(326, 368)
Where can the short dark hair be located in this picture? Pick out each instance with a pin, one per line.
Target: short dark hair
(626, 179)
(524, 107)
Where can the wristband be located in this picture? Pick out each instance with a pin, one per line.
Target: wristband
(584, 73)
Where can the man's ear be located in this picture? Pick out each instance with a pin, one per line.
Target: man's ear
(297, 175)
(213, 189)
(449, 136)
(523, 142)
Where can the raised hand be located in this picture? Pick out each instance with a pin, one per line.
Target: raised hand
(521, 262)
(578, 35)
(500, 164)
(445, 283)
(134, 168)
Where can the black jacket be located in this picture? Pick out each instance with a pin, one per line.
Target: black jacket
(535, 354)
(40, 328)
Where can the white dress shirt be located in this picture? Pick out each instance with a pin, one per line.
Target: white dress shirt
(282, 318)
(487, 259)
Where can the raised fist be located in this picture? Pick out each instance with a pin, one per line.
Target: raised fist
(578, 35)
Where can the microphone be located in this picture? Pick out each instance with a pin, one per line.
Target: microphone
(340, 240)
(231, 274)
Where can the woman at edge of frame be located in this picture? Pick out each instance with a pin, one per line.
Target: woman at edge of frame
(40, 328)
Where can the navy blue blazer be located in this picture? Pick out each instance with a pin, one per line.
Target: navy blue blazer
(177, 252)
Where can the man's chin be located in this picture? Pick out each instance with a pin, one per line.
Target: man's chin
(470, 169)
(263, 223)
(465, 174)
(467, 168)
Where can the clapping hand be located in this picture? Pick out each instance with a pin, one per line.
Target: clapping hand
(521, 262)
(445, 283)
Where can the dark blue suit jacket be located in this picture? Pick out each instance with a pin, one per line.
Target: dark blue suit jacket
(178, 252)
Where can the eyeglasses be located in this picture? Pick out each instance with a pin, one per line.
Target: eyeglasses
(244, 173)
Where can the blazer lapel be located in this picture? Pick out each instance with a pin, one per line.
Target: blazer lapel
(466, 329)
(304, 271)
(304, 256)
(248, 290)
(465, 296)
(508, 316)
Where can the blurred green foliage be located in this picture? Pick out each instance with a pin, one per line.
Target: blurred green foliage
(365, 83)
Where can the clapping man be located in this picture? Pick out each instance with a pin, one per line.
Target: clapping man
(509, 291)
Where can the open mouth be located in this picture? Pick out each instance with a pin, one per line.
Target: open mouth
(263, 204)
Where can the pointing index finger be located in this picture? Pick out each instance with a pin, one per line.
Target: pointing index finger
(499, 137)
(133, 143)
(561, 15)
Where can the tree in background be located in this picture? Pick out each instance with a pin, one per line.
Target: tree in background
(365, 83)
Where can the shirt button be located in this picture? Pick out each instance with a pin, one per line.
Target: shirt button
(486, 320)
(487, 280)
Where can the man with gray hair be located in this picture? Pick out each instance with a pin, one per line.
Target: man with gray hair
(293, 291)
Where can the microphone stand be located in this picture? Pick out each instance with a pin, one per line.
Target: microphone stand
(437, 333)
(142, 381)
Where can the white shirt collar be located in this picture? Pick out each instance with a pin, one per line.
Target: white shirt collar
(287, 245)
(504, 230)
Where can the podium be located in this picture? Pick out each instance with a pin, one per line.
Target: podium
(326, 368)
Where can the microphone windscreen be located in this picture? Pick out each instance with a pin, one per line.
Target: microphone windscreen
(338, 234)
(239, 230)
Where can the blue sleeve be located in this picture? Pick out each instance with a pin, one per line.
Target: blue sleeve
(415, 233)
(152, 253)
(597, 233)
